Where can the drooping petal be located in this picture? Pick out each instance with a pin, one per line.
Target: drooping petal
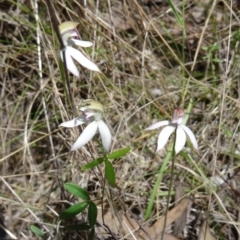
(81, 43)
(73, 123)
(78, 56)
(105, 135)
(86, 136)
(69, 61)
(158, 124)
(191, 136)
(180, 139)
(164, 136)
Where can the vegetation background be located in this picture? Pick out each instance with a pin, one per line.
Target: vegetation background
(155, 56)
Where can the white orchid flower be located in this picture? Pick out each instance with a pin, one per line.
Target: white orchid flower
(175, 125)
(70, 38)
(92, 113)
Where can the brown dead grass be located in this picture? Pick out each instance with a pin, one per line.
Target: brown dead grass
(150, 66)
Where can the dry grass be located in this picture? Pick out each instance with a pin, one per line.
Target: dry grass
(150, 66)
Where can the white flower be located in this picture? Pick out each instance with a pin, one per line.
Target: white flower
(92, 113)
(171, 126)
(70, 38)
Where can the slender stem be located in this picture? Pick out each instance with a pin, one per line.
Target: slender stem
(163, 169)
(157, 183)
(55, 24)
(171, 180)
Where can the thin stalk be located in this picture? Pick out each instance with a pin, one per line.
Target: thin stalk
(171, 180)
(157, 183)
(62, 46)
(163, 169)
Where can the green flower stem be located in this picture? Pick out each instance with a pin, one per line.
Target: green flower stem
(170, 184)
(163, 168)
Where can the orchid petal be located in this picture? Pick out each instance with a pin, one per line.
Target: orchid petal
(86, 136)
(72, 123)
(105, 135)
(69, 61)
(81, 43)
(191, 136)
(158, 124)
(78, 56)
(164, 136)
(180, 139)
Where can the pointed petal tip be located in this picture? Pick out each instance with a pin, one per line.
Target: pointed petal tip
(64, 124)
(73, 149)
(158, 149)
(85, 136)
(81, 59)
(105, 134)
(161, 146)
(163, 137)
(72, 123)
(157, 125)
(95, 68)
(180, 139)
(69, 62)
(191, 136)
(98, 70)
(82, 43)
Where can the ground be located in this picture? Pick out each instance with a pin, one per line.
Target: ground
(155, 56)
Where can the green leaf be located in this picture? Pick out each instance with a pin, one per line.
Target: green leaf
(77, 191)
(91, 234)
(73, 210)
(80, 227)
(37, 231)
(119, 153)
(109, 172)
(92, 164)
(92, 213)
(175, 12)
